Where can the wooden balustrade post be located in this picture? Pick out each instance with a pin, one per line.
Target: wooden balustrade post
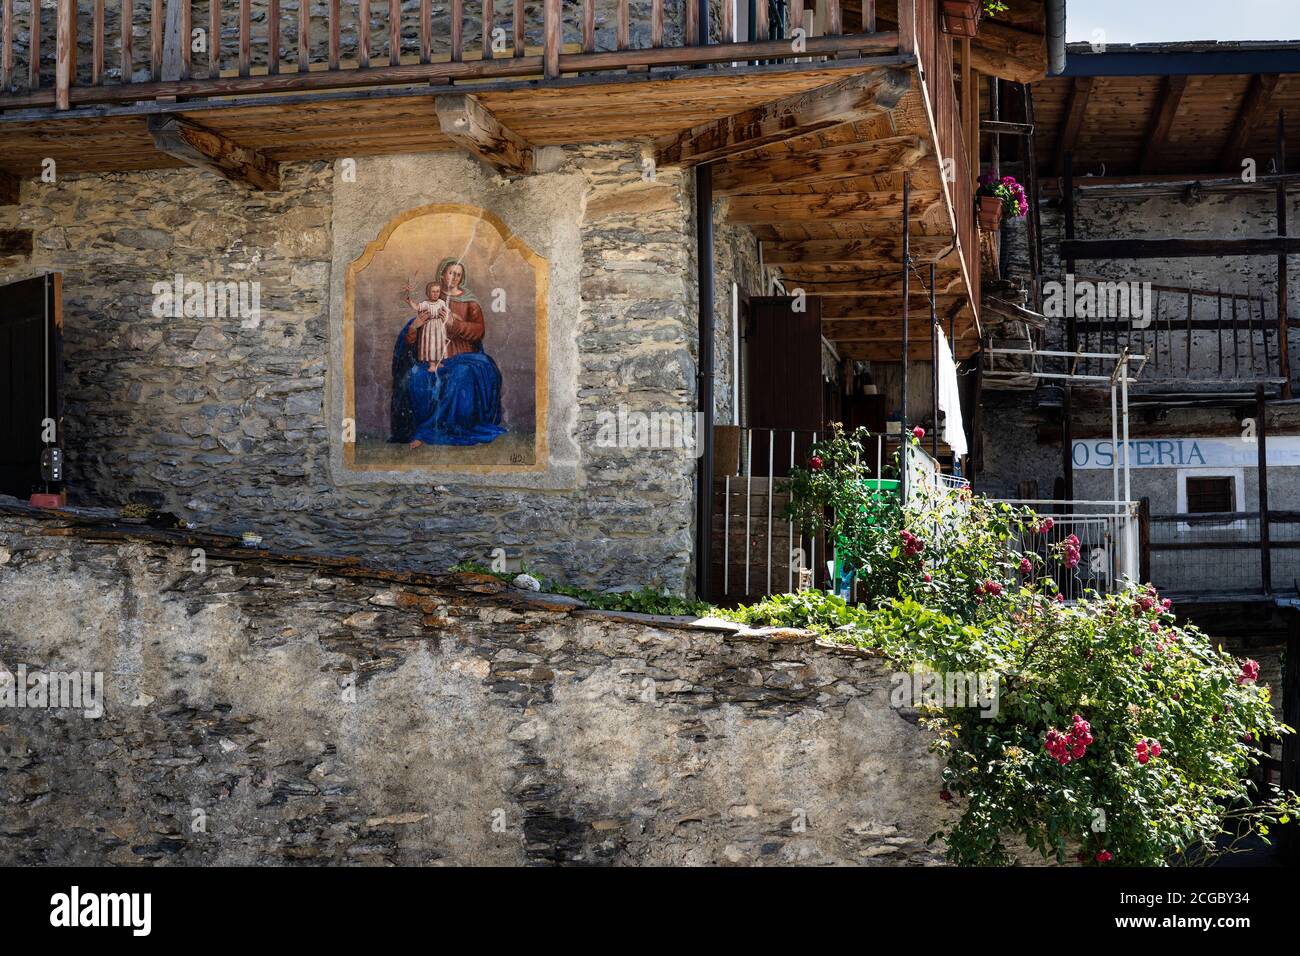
(907, 28)
(65, 53)
(1261, 465)
(553, 38)
(156, 15)
(273, 37)
(7, 44)
(214, 38)
(245, 37)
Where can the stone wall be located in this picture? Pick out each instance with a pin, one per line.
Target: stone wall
(270, 710)
(228, 426)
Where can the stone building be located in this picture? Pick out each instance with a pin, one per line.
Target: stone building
(556, 285)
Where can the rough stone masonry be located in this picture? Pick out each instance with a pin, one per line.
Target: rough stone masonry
(282, 709)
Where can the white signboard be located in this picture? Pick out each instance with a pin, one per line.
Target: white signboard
(1283, 451)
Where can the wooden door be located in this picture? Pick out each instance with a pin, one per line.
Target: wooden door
(31, 380)
(783, 365)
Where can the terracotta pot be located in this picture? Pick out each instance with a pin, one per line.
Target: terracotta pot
(961, 18)
(989, 213)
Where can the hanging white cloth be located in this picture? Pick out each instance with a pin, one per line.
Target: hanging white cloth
(954, 432)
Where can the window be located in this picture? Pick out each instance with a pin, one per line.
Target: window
(1207, 495)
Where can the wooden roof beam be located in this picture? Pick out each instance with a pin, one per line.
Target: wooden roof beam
(845, 101)
(882, 250)
(1162, 120)
(1254, 106)
(1075, 108)
(206, 149)
(475, 129)
(754, 174)
(783, 210)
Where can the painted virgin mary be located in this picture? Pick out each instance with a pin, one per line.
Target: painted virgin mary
(446, 389)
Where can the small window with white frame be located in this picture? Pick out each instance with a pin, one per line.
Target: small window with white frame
(1204, 491)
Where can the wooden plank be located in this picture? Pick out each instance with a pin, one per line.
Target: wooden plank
(457, 30)
(868, 16)
(489, 14)
(363, 28)
(874, 249)
(273, 37)
(245, 37)
(65, 53)
(755, 173)
(205, 149)
(844, 206)
(7, 43)
(127, 24)
(845, 101)
(693, 21)
(657, 23)
(834, 18)
(1076, 107)
(589, 26)
(96, 45)
(395, 30)
(1162, 121)
(761, 29)
(156, 39)
(214, 38)
(186, 39)
(517, 25)
(471, 126)
(625, 23)
(34, 48)
(1009, 52)
(1254, 107)
(335, 20)
(176, 40)
(553, 38)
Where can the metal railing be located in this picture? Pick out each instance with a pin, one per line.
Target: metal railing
(1108, 533)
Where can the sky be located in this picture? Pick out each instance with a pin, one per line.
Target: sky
(1148, 21)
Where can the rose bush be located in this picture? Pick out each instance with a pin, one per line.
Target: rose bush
(1121, 737)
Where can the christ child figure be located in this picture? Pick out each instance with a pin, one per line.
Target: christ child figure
(430, 325)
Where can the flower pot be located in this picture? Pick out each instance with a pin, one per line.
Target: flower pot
(961, 18)
(989, 213)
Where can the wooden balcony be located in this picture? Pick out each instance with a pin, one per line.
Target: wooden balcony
(811, 134)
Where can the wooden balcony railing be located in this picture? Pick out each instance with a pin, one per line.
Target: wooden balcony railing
(921, 33)
(201, 48)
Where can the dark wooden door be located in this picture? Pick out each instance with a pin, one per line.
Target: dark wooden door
(783, 365)
(31, 379)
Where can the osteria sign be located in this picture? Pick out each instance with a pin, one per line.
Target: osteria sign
(1283, 451)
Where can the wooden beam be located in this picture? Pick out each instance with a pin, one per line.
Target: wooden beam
(776, 209)
(1254, 107)
(856, 305)
(877, 249)
(1162, 120)
(8, 189)
(881, 328)
(1177, 248)
(473, 127)
(203, 148)
(917, 351)
(1075, 108)
(754, 174)
(1009, 53)
(845, 101)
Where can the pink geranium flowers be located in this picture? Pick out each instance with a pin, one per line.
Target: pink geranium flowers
(1249, 672)
(912, 545)
(1071, 745)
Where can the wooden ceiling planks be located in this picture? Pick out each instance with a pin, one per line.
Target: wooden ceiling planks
(1220, 119)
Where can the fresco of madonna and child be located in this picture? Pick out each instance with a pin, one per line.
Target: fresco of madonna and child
(452, 378)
